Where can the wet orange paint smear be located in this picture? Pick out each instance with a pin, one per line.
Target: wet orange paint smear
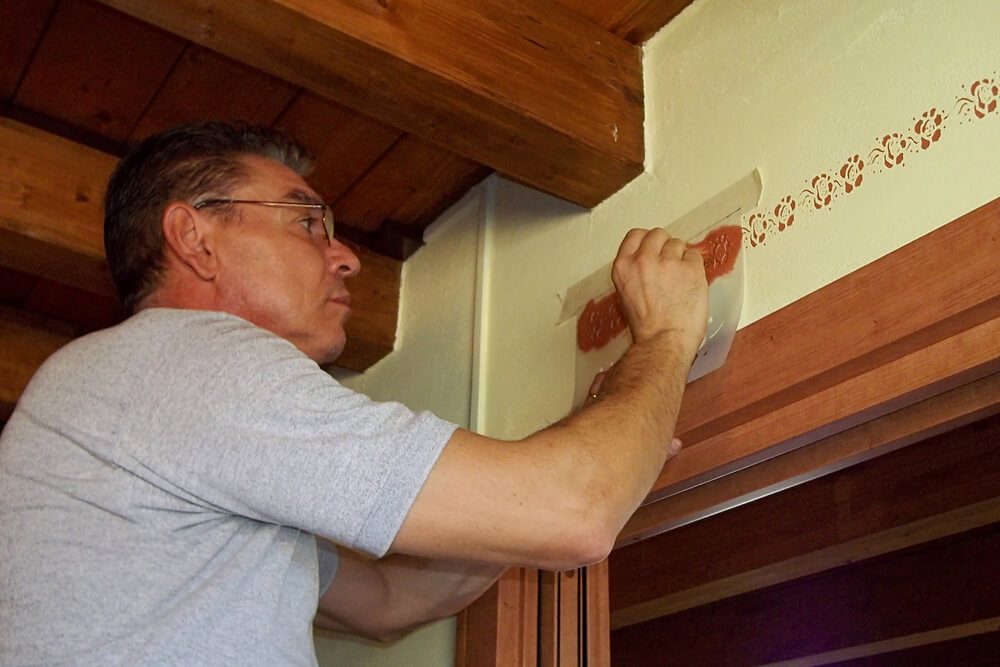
(719, 251)
(602, 320)
(599, 323)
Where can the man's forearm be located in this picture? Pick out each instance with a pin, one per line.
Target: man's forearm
(387, 598)
(619, 443)
(424, 590)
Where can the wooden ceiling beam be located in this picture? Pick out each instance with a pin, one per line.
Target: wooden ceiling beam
(529, 89)
(51, 226)
(633, 20)
(26, 340)
(942, 486)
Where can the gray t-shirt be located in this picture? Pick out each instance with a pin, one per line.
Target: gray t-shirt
(161, 483)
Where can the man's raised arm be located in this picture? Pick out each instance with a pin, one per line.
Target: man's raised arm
(558, 498)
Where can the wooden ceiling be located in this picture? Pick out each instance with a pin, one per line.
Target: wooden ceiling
(406, 105)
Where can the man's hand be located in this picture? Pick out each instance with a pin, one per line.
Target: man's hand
(662, 286)
(558, 498)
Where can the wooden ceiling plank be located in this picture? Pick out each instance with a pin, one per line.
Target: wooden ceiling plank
(51, 226)
(23, 24)
(411, 184)
(942, 486)
(529, 89)
(632, 20)
(345, 143)
(207, 86)
(27, 341)
(945, 584)
(928, 418)
(97, 69)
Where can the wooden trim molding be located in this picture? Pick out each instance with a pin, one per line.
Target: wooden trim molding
(942, 590)
(898, 429)
(942, 486)
(916, 323)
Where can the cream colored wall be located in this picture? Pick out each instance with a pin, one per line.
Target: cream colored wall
(796, 88)
(431, 369)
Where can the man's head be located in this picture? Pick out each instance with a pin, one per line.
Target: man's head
(173, 237)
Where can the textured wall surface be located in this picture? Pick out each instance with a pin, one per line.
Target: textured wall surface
(872, 123)
(431, 369)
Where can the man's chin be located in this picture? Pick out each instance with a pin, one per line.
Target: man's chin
(330, 354)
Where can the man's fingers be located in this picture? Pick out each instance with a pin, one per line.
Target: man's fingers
(652, 241)
(630, 244)
(692, 255)
(674, 248)
(595, 386)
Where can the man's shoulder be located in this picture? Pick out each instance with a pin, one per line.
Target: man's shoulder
(156, 336)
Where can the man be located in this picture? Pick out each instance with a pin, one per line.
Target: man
(163, 483)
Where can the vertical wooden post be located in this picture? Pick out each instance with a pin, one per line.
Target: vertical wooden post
(598, 618)
(500, 629)
(539, 619)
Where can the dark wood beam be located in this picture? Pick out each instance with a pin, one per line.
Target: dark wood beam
(633, 20)
(51, 226)
(937, 591)
(26, 340)
(529, 89)
(942, 486)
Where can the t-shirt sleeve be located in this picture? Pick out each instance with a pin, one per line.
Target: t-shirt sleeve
(328, 560)
(247, 425)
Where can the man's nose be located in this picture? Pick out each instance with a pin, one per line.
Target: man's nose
(341, 259)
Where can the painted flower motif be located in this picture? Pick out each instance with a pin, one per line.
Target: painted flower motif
(822, 190)
(893, 149)
(757, 227)
(784, 212)
(985, 93)
(928, 128)
(851, 173)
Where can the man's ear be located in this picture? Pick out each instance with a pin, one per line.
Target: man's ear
(188, 234)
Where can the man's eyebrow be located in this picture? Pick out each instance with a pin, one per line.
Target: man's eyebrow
(304, 197)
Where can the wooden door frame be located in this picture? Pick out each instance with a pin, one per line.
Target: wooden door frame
(899, 350)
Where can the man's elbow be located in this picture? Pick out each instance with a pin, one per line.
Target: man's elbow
(588, 538)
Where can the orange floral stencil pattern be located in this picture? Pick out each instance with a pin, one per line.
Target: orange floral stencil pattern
(890, 152)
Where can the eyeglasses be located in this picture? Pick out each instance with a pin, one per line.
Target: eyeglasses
(320, 216)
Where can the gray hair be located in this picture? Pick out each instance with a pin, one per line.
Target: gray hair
(180, 164)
